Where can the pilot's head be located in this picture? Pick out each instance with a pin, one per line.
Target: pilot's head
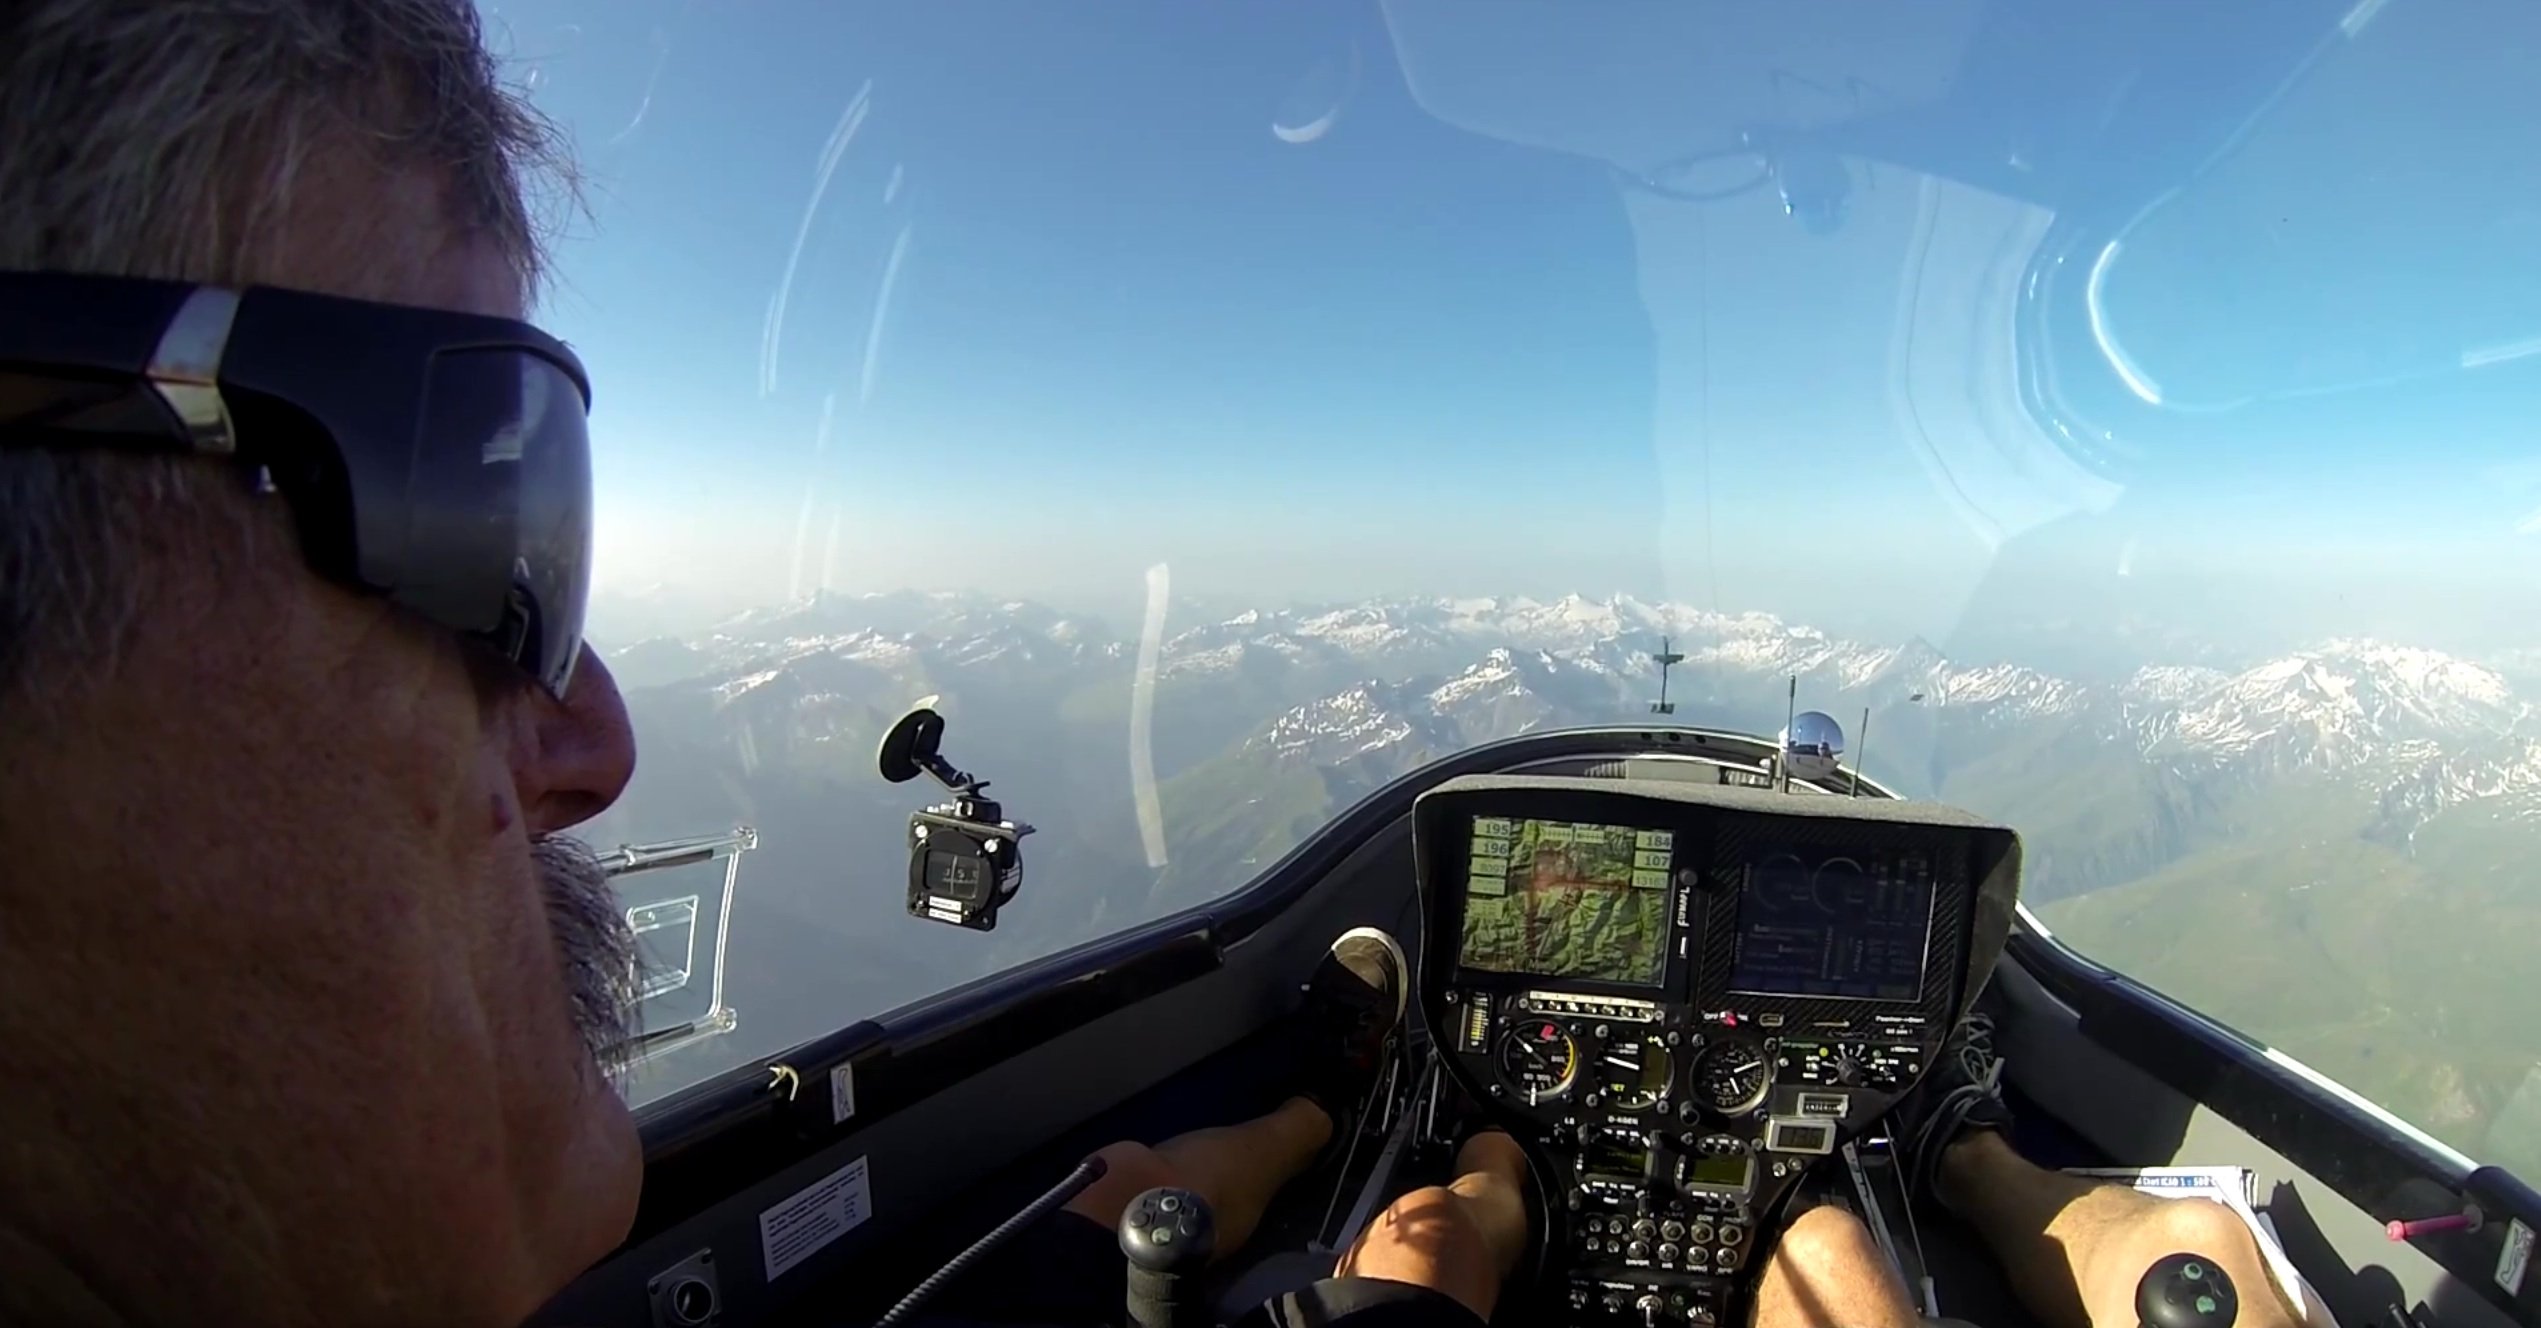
(302, 1009)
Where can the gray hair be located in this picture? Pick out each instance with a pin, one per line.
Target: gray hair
(172, 138)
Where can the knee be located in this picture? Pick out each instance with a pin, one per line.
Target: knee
(1429, 1238)
(1826, 1238)
(2214, 1233)
(1129, 1170)
(2201, 1227)
(1491, 1152)
(1431, 1224)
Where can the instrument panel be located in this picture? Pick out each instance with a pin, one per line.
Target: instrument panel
(1681, 1000)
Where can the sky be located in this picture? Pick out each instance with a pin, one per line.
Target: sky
(1323, 300)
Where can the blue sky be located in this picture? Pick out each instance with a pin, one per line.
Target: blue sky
(1058, 303)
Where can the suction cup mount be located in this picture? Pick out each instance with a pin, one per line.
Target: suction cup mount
(909, 748)
(965, 857)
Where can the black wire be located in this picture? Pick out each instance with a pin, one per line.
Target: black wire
(1087, 1172)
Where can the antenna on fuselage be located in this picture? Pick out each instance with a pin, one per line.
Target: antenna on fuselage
(1790, 716)
(1666, 658)
(1861, 753)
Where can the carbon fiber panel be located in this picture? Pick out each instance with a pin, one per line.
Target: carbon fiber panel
(1740, 840)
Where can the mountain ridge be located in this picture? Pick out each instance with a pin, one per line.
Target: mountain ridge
(2344, 705)
(2232, 794)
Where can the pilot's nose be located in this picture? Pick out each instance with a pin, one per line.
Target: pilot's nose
(579, 754)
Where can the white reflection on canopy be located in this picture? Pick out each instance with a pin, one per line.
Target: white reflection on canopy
(849, 121)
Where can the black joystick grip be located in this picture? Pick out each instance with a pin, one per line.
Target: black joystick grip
(1167, 1236)
(2185, 1291)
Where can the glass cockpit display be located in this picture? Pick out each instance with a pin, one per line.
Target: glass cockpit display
(1835, 925)
(1567, 899)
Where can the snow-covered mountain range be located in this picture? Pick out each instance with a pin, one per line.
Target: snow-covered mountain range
(2298, 843)
(1381, 687)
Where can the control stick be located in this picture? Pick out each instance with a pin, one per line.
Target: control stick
(2185, 1291)
(1168, 1236)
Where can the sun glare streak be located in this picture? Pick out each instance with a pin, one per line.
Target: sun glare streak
(829, 549)
(1142, 717)
(881, 311)
(849, 121)
(644, 106)
(2128, 371)
(811, 494)
(2487, 356)
(2356, 18)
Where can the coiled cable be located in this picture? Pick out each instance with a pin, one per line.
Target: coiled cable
(1087, 1172)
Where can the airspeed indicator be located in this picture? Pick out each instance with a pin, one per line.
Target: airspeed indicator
(1538, 1059)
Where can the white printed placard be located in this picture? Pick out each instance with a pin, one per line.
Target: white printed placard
(820, 1213)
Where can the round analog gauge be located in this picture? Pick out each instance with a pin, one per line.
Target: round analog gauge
(1633, 1072)
(1538, 1059)
(1731, 1076)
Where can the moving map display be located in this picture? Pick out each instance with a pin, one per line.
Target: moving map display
(1567, 899)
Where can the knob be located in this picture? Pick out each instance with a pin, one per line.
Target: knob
(1672, 1229)
(1167, 1235)
(1668, 1253)
(2185, 1291)
(1701, 1234)
(1168, 1230)
(1645, 1228)
(1730, 1235)
(1726, 1260)
(1641, 1250)
(1650, 1305)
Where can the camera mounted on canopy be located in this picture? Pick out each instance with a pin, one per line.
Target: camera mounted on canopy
(965, 858)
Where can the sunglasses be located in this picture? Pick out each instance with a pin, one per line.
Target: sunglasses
(436, 458)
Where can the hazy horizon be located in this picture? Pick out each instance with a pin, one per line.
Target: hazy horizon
(2045, 635)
